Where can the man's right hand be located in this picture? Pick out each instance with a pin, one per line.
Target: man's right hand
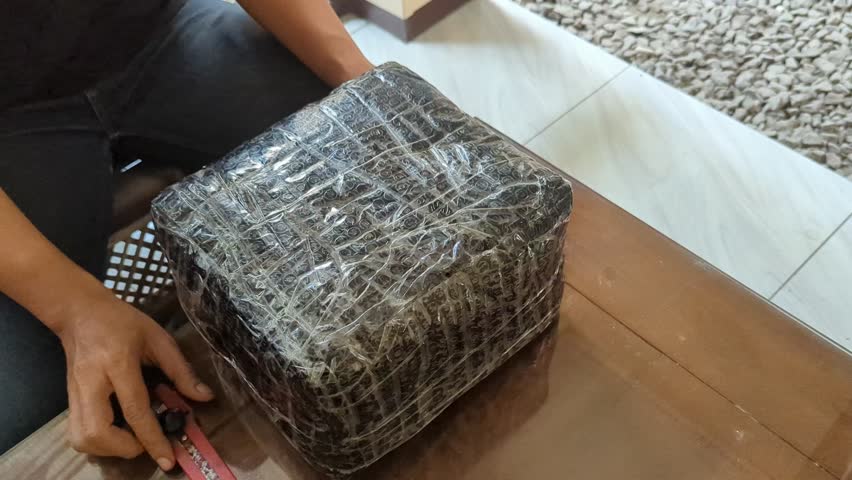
(106, 342)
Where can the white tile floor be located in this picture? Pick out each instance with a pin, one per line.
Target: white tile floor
(756, 210)
(353, 23)
(750, 206)
(517, 72)
(821, 292)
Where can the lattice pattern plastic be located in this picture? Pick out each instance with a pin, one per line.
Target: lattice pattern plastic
(138, 271)
(367, 260)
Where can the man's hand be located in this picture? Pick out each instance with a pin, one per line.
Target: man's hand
(106, 342)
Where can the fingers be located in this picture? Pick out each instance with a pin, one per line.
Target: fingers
(171, 361)
(133, 396)
(91, 429)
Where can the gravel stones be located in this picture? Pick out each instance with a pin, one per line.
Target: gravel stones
(825, 65)
(781, 66)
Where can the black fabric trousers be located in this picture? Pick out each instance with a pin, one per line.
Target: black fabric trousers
(209, 80)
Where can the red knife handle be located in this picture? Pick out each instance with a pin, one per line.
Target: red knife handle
(173, 401)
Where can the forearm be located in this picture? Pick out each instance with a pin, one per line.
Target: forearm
(35, 273)
(313, 32)
(105, 341)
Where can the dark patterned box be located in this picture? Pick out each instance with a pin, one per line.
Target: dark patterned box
(367, 260)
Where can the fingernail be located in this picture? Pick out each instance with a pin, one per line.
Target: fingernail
(164, 463)
(204, 389)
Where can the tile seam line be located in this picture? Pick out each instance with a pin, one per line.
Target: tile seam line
(574, 107)
(809, 257)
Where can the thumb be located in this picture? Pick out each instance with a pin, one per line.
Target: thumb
(167, 355)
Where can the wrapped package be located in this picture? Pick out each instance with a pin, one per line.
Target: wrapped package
(367, 260)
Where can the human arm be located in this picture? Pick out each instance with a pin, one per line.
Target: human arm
(313, 32)
(105, 341)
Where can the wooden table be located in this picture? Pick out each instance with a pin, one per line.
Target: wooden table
(660, 367)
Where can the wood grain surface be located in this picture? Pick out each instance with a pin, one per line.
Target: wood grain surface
(785, 375)
(660, 367)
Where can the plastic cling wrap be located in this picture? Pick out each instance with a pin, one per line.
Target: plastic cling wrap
(367, 260)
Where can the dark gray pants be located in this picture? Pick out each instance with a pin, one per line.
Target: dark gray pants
(208, 81)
